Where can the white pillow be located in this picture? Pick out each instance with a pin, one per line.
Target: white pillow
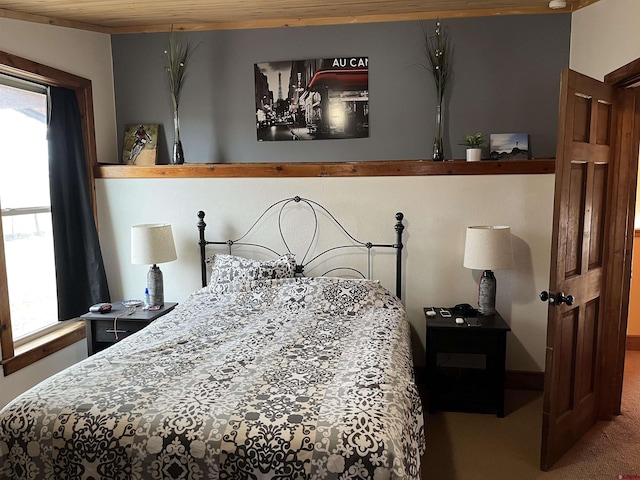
(227, 270)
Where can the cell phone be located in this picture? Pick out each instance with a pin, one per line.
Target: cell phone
(473, 322)
(100, 308)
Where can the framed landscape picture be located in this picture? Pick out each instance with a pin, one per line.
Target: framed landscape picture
(509, 146)
(140, 145)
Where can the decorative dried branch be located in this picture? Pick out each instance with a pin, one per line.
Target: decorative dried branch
(178, 55)
(439, 56)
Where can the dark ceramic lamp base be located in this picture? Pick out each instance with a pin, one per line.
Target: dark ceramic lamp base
(487, 293)
(155, 285)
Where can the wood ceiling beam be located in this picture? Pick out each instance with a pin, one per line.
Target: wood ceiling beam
(295, 22)
(345, 20)
(28, 17)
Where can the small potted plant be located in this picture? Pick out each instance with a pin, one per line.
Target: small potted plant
(474, 145)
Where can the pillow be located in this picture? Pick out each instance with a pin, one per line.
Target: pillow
(227, 270)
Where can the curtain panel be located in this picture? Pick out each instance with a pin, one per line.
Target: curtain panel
(80, 274)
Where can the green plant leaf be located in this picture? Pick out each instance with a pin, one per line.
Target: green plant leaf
(475, 140)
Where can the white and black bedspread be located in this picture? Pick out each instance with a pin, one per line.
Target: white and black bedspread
(279, 379)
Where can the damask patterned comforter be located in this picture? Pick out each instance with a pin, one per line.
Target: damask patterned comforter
(278, 379)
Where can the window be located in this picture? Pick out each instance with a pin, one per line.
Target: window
(27, 272)
(26, 207)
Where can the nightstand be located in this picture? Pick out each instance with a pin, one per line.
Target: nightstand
(103, 330)
(466, 364)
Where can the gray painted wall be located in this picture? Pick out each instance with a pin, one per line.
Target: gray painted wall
(507, 79)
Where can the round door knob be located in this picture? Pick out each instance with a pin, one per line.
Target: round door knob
(568, 299)
(547, 297)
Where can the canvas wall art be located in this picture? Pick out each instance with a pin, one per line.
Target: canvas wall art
(140, 145)
(312, 99)
(509, 146)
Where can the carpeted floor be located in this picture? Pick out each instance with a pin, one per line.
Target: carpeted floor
(467, 446)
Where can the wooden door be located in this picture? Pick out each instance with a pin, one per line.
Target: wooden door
(574, 330)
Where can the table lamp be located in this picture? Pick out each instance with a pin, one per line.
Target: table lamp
(152, 243)
(488, 248)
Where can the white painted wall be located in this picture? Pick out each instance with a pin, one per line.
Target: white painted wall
(604, 37)
(437, 210)
(86, 54)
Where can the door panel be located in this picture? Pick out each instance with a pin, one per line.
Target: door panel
(589, 344)
(575, 221)
(579, 235)
(565, 353)
(582, 118)
(598, 200)
(603, 134)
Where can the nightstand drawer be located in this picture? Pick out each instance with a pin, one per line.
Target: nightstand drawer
(100, 326)
(469, 340)
(105, 331)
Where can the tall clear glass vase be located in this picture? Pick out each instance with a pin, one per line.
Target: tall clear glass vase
(178, 153)
(438, 149)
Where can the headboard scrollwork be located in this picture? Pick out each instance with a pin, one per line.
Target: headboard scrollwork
(307, 259)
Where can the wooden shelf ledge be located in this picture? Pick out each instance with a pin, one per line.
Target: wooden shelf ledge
(329, 169)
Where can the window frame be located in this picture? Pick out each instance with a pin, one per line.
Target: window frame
(69, 331)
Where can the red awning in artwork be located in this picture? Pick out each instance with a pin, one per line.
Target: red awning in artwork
(357, 78)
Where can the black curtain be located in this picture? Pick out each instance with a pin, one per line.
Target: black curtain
(80, 274)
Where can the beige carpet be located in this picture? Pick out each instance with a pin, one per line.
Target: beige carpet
(467, 446)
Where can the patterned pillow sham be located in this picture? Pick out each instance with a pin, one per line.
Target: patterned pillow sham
(228, 270)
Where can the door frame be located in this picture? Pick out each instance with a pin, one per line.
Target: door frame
(620, 249)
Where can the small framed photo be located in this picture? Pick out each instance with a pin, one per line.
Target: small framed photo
(140, 145)
(509, 146)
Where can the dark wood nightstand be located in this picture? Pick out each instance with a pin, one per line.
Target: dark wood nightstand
(103, 330)
(478, 385)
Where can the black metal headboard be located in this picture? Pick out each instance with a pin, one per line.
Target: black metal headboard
(302, 263)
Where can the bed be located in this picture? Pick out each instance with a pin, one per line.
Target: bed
(261, 374)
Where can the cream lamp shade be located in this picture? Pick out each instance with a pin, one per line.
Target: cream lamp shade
(488, 247)
(152, 243)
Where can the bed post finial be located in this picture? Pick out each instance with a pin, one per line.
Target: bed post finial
(203, 243)
(399, 227)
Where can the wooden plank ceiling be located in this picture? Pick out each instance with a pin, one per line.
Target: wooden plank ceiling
(128, 16)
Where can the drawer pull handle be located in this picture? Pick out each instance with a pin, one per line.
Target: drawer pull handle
(116, 331)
